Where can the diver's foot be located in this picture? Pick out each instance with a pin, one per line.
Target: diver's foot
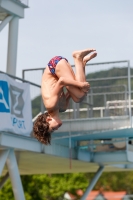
(82, 53)
(89, 57)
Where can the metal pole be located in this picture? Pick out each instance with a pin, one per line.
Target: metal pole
(5, 22)
(91, 93)
(106, 111)
(3, 157)
(12, 46)
(23, 74)
(93, 182)
(4, 180)
(42, 104)
(74, 110)
(126, 99)
(129, 94)
(77, 110)
(14, 176)
(88, 106)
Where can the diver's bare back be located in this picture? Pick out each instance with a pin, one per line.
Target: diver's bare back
(48, 83)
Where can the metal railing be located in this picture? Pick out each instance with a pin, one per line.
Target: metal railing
(103, 90)
(98, 102)
(89, 109)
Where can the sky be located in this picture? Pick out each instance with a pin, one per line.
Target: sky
(58, 27)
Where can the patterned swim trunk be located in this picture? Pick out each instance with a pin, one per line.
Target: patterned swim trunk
(53, 62)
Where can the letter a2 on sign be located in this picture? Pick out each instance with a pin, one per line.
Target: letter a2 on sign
(4, 97)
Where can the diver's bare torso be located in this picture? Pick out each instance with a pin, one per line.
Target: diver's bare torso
(48, 83)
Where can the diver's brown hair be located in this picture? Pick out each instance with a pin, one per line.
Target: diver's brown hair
(40, 129)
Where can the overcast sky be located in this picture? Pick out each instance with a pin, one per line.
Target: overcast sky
(57, 27)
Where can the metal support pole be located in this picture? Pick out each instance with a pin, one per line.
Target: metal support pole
(42, 104)
(14, 176)
(93, 182)
(23, 74)
(106, 111)
(87, 106)
(126, 99)
(92, 103)
(4, 179)
(74, 110)
(77, 110)
(5, 22)
(91, 93)
(129, 94)
(3, 157)
(12, 46)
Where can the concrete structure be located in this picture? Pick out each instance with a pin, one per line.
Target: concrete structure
(10, 13)
(66, 155)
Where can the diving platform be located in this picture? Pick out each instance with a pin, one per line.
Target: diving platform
(12, 7)
(36, 158)
(11, 11)
(95, 128)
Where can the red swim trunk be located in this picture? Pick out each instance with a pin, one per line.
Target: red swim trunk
(53, 62)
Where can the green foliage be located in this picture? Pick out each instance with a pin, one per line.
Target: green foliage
(6, 193)
(36, 106)
(47, 187)
(53, 186)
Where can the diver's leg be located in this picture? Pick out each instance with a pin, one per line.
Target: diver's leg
(80, 60)
(64, 69)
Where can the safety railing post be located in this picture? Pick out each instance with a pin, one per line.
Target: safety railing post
(129, 93)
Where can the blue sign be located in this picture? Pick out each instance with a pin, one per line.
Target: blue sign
(4, 97)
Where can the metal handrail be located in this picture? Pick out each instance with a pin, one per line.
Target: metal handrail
(99, 63)
(20, 79)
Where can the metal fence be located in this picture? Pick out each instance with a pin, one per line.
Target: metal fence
(110, 92)
(108, 96)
